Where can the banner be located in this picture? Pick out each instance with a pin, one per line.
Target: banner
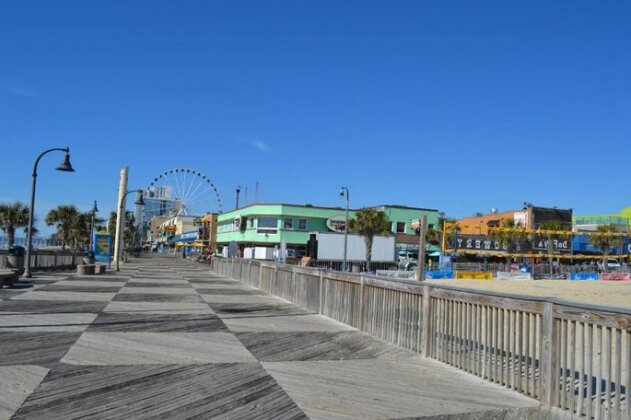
(584, 276)
(439, 274)
(474, 275)
(615, 276)
(562, 244)
(505, 275)
(103, 247)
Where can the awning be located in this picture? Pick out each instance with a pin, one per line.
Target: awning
(178, 239)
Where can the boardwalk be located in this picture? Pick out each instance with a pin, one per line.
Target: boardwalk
(169, 339)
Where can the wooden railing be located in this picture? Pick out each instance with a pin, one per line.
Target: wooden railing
(572, 357)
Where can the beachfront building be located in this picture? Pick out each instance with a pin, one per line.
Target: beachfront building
(528, 217)
(620, 222)
(475, 235)
(269, 225)
(169, 231)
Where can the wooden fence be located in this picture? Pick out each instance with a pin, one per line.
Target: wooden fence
(574, 358)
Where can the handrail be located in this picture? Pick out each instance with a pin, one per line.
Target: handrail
(357, 276)
(570, 355)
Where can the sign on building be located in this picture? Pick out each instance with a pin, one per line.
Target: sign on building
(336, 223)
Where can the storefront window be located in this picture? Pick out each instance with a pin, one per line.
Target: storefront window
(302, 224)
(289, 223)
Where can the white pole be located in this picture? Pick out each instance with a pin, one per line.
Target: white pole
(120, 215)
(420, 268)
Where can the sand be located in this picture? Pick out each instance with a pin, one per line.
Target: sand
(609, 293)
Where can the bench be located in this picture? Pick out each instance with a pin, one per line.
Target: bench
(86, 269)
(8, 277)
(89, 269)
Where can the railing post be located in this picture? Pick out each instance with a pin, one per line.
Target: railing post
(320, 311)
(426, 324)
(293, 282)
(260, 281)
(272, 284)
(55, 261)
(548, 355)
(361, 303)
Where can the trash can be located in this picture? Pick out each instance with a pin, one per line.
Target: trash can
(15, 259)
(88, 257)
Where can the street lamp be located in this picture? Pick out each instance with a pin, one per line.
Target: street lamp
(344, 192)
(64, 167)
(139, 202)
(94, 210)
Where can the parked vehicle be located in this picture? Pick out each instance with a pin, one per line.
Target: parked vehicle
(611, 264)
(407, 260)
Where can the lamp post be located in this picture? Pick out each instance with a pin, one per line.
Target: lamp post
(119, 229)
(344, 193)
(94, 210)
(64, 167)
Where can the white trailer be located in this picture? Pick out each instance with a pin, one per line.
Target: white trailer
(330, 247)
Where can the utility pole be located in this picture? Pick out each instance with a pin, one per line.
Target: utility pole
(422, 230)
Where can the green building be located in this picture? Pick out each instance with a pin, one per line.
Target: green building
(270, 224)
(620, 221)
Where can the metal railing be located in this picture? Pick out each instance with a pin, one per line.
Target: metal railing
(537, 269)
(48, 260)
(355, 267)
(574, 358)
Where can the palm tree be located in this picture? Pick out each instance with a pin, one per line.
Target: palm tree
(509, 233)
(434, 235)
(111, 223)
(68, 220)
(369, 222)
(130, 230)
(35, 230)
(552, 226)
(80, 233)
(604, 240)
(129, 234)
(13, 216)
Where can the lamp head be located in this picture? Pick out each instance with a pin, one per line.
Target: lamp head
(341, 192)
(95, 209)
(140, 201)
(65, 165)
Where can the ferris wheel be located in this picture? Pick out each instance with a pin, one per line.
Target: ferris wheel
(180, 192)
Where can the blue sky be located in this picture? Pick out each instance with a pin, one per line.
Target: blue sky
(459, 106)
